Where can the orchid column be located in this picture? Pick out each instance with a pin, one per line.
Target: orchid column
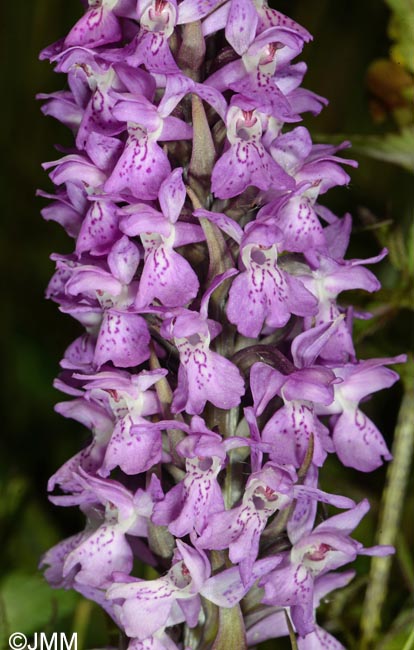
(216, 370)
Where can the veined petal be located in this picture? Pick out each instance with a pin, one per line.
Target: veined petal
(244, 164)
(191, 10)
(123, 339)
(141, 168)
(153, 51)
(54, 560)
(265, 383)
(133, 451)
(172, 195)
(319, 639)
(159, 279)
(288, 433)
(208, 377)
(287, 586)
(99, 555)
(358, 442)
(123, 260)
(99, 229)
(97, 27)
(241, 25)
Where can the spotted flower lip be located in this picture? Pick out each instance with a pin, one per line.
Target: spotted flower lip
(163, 599)
(187, 579)
(160, 234)
(93, 556)
(203, 374)
(264, 293)
(269, 490)
(287, 433)
(246, 162)
(129, 399)
(327, 548)
(353, 429)
(96, 83)
(190, 503)
(275, 625)
(99, 26)
(216, 369)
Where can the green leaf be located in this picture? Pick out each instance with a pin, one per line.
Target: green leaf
(410, 249)
(401, 637)
(203, 154)
(401, 31)
(396, 148)
(231, 633)
(29, 604)
(192, 49)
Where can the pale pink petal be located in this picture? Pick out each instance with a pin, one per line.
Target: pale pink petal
(123, 339)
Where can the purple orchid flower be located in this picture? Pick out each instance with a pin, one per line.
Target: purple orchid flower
(265, 294)
(143, 165)
(163, 388)
(141, 152)
(166, 601)
(203, 374)
(273, 625)
(356, 439)
(264, 74)
(242, 20)
(160, 233)
(246, 162)
(315, 170)
(94, 83)
(289, 429)
(150, 47)
(188, 506)
(150, 606)
(129, 400)
(90, 459)
(92, 556)
(239, 529)
(326, 282)
(99, 25)
(121, 337)
(326, 548)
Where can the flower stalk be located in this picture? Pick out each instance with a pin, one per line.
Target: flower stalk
(216, 369)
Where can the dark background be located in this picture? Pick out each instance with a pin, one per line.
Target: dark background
(35, 441)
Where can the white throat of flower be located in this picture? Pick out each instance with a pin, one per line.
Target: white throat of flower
(159, 17)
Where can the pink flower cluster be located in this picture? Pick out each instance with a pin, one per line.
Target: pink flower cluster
(216, 370)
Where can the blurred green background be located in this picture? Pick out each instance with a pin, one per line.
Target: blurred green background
(372, 101)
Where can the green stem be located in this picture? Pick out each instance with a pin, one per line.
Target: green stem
(410, 642)
(393, 499)
(406, 561)
(81, 621)
(292, 635)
